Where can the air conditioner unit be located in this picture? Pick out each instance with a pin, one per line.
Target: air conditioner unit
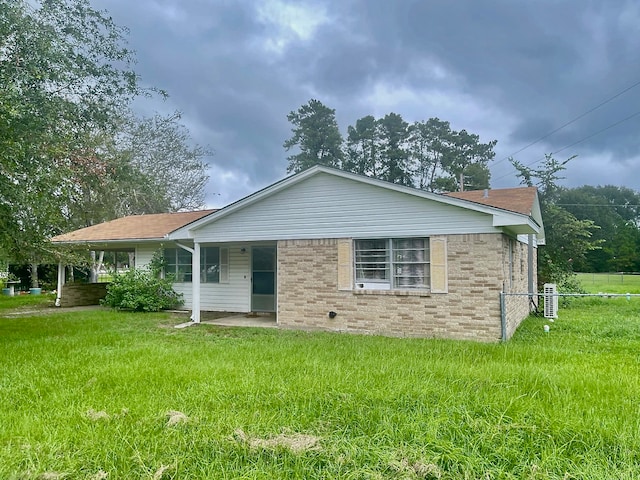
(373, 286)
(550, 300)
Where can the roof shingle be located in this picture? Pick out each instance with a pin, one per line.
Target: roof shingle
(134, 227)
(518, 200)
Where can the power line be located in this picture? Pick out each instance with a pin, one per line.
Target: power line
(579, 141)
(598, 132)
(569, 122)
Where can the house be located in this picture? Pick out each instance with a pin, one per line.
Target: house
(330, 250)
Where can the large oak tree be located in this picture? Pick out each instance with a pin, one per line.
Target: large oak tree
(71, 152)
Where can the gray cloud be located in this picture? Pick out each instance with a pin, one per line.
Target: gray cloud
(510, 71)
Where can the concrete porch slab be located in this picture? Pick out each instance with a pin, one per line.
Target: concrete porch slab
(264, 320)
(244, 320)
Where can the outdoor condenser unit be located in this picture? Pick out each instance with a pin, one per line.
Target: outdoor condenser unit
(550, 300)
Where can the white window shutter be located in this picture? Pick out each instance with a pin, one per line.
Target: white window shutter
(345, 264)
(439, 277)
(224, 265)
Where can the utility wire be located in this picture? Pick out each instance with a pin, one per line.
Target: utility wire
(579, 141)
(569, 122)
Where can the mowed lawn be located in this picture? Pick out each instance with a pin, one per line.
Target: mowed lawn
(610, 282)
(104, 395)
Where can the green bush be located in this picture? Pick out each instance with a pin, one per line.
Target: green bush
(141, 290)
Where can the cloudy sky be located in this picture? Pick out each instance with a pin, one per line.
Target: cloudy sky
(510, 70)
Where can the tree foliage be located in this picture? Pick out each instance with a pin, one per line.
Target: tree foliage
(429, 154)
(70, 151)
(316, 135)
(442, 157)
(616, 211)
(568, 240)
(363, 151)
(64, 73)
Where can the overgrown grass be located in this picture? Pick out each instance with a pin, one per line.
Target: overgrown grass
(86, 395)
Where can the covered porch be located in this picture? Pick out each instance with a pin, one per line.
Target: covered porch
(238, 278)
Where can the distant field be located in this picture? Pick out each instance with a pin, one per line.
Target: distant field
(610, 282)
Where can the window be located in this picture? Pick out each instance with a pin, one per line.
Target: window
(372, 261)
(214, 264)
(401, 263)
(178, 264)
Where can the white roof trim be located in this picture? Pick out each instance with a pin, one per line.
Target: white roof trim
(501, 216)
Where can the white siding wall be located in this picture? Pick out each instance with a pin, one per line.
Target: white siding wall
(326, 206)
(234, 296)
(144, 253)
(187, 292)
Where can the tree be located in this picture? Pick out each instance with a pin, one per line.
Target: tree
(317, 136)
(395, 166)
(567, 239)
(469, 160)
(547, 177)
(616, 211)
(430, 146)
(363, 148)
(442, 157)
(64, 74)
(427, 155)
(170, 172)
(71, 152)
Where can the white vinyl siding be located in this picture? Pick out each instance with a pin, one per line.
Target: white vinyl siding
(232, 296)
(327, 206)
(144, 254)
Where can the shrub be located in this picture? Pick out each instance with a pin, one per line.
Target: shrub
(141, 290)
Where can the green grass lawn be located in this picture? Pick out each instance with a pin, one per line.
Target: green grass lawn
(610, 282)
(103, 395)
(26, 301)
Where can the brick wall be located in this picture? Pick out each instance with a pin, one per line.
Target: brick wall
(307, 291)
(79, 294)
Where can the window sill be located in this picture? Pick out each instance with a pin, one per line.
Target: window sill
(395, 293)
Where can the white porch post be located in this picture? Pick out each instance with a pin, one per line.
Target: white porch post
(195, 283)
(61, 269)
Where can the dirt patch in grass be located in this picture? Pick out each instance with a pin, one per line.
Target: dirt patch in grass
(176, 418)
(160, 473)
(418, 469)
(95, 416)
(52, 476)
(296, 442)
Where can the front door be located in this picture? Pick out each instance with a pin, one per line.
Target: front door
(263, 279)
